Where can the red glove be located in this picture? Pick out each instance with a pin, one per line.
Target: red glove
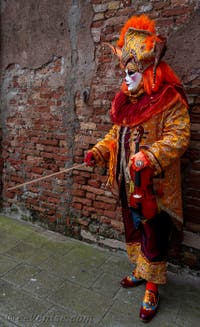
(139, 161)
(89, 159)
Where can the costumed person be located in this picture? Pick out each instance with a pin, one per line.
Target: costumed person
(150, 132)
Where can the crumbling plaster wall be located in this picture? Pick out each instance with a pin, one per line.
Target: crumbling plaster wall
(47, 57)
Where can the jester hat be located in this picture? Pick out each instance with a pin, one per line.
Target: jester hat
(139, 46)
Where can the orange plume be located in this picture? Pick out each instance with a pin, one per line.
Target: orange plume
(142, 22)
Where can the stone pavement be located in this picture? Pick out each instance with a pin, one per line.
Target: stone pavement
(48, 280)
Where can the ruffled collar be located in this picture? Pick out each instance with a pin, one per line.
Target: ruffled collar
(130, 111)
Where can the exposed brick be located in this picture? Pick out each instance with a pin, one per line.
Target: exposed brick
(193, 201)
(77, 205)
(92, 189)
(102, 205)
(126, 3)
(160, 4)
(47, 141)
(79, 180)
(97, 2)
(37, 170)
(30, 160)
(110, 214)
(176, 11)
(90, 209)
(94, 183)
(192, 214)
(101, 7)
(190, 259)
(113, 4)
(176, 3)
(81, 173)
(122, 12)
(105, 220)
(83, 221)
(165, 22)
(105, 199)
(78, 193)
(85, 212)
(117, 225)
(99, 16)
(84, 201)
(91, 196)
(17, 179)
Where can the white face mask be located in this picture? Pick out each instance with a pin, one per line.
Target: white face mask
(132, 79)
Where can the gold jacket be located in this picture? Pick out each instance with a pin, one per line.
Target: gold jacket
(166, 139)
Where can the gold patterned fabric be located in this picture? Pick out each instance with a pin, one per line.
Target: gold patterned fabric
(166, 127)
(154, 272)
(166, 139)
(136, 52)
(133, 251)
(148, 247)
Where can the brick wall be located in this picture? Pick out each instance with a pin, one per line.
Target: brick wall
(34, 141)
(49, 123)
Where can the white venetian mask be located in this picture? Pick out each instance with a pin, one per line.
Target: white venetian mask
(133, 79)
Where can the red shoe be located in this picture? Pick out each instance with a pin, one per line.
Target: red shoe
(149, 306)
(131, 281)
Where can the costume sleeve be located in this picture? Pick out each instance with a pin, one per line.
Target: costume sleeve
(103, 148)
(175, 138)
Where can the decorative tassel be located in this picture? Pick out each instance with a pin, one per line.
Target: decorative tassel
(131, 186)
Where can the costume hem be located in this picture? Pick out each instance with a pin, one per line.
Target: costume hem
(154, 272)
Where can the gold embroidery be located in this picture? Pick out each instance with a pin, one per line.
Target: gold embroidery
(165, 148)
(154, 272)
(133, 250)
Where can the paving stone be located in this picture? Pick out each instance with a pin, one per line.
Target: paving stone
(21, 274)
(22, 251)
(43, 284)
(6, 323)
(118, 264)
(34, 239)
(19, 307)
(72, 269)
(19, 229)
(48, 240)
(6, 264)
(121, 315)
(85, 254)
(184, 317)
(81, 300)
(57, 248)
(107, 284)
(57, 317)
(7, 241)
(130, 295)
(47, 280)
(25, 252)
(38, 256)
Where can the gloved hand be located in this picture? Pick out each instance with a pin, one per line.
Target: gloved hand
(89, 159)
(139, 161)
